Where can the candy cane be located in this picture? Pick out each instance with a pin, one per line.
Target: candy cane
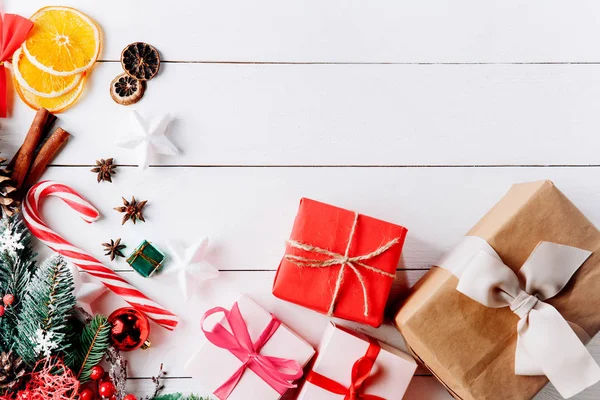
(87, 263)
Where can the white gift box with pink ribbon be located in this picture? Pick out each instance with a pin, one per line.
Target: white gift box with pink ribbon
(248, 354)
(353, 363)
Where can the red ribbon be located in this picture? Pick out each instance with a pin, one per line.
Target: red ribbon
(14, 31)
(361, 370)
(277, 372)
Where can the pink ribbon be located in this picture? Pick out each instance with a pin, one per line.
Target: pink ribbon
(276, 372)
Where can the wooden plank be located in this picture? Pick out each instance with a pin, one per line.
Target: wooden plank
(421, 387)
(344, 115)
(347, 31)
(248, 212)
(168, 347)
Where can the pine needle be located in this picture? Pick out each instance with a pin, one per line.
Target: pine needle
(46, 309)
(92, 346)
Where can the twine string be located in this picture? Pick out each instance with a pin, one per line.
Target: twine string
(139, 252)
(342, 260)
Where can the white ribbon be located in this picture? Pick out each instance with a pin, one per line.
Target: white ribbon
(547, 344)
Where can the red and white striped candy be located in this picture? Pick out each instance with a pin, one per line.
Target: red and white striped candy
(85, 262)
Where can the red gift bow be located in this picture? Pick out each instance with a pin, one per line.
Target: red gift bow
(14, 31)
(361, 370)
(270, 369)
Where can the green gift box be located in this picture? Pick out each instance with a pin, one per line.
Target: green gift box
(146, 259)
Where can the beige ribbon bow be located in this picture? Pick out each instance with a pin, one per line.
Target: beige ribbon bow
(547, 344)
(343, 260)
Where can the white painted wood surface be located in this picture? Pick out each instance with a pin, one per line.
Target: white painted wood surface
(257, 114)
(420, 113)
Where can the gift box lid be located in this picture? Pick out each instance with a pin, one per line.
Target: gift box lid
(212, 365)
(341, 348)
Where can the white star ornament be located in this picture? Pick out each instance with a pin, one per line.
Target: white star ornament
(190, 266)
(148, 138)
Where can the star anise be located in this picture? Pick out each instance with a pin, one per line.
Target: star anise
(104, 169)
(113, 249)
(132, 210)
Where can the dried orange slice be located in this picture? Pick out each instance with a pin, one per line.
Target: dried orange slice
(41, 83)
(63, 41)
(54, 105)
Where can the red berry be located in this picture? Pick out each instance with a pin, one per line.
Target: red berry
(1, 311)
(130, 397)
(113, 397)
(106, 389)
(8, 299)
(86, 394)
(97, 373)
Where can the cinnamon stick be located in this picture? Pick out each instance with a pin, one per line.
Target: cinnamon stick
(26, 153)
(46, 155)
(45, 132)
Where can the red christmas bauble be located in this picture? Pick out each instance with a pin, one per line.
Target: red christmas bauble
(106, 389)
(130, 328)
(8, 299)
(97, 373)
(2, 310)
(86, 394)
(130, 397)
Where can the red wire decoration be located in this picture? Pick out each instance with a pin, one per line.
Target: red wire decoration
(51, 380)
(14, 31)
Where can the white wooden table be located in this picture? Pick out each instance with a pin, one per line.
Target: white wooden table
(421, 113)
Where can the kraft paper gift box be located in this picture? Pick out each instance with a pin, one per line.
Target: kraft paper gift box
(346, 357)
(471, 348)
(213, 366)
(339, 262)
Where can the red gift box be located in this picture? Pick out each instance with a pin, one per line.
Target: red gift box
(339, 262)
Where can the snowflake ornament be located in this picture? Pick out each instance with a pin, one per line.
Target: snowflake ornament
(44, 343)
(10, 242)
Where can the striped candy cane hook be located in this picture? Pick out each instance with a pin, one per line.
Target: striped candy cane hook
(84, 261)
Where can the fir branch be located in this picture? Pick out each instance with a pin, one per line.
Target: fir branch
(93, 343)
(46, 310)
(17, 262)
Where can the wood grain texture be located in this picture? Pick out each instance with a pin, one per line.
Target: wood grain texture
(167, 346)
(445, 89)
(248, 212)
(344, 115)
(347, 31)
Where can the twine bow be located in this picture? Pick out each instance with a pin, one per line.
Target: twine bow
(361, 370)
(276, 372)
(139, 252)
(343, 260)
(547, 344)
